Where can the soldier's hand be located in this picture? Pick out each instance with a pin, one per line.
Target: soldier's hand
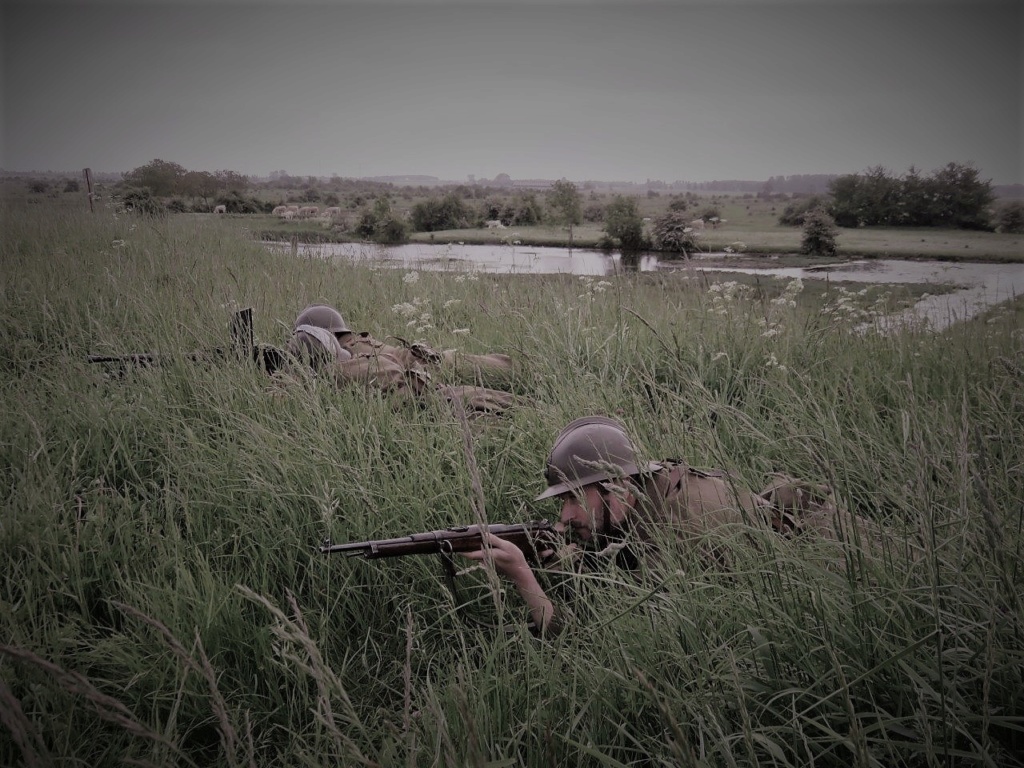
(506, 557)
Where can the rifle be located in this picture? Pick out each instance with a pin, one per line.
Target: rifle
(529, 537)
(242, 345)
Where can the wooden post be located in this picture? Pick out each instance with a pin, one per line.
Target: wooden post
(242, 332)
(88, 187)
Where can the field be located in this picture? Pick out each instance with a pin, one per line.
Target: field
(163, 602)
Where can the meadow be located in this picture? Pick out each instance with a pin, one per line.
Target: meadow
(164, 603)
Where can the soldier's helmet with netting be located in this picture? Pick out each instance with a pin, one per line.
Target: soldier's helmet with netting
(589, 450)
(316, 347)
(322, 316)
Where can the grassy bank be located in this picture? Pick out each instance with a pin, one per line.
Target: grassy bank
(163, 602)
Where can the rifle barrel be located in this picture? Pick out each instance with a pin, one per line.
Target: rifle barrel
(465, 538)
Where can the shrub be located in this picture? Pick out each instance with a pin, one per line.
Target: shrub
(380, 224)
(235, 202)
(794, 214)
(672, 232)
(142, 202)
(177, 205)
(1010, 217)
(433, 215)
(820, 233)
(623, 223)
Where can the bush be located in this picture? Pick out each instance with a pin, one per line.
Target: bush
(820, 233)
(1010, 217)
(794, 214)
(142, 202)
(447, 213)
(177, 205)
(623, 223)
(672, 232)
(235, 202)
(380, 225)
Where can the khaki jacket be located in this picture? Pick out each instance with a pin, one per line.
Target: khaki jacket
(377, 366)
(477, 368)
(380, 371)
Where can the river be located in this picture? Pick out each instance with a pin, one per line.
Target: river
(979, 285)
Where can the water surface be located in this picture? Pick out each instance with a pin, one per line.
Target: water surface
(979, 285)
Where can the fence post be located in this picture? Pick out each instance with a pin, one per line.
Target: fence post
(88, 186)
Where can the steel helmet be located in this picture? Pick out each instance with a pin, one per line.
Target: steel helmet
(589, 450)
(322, 316)
(316, 346)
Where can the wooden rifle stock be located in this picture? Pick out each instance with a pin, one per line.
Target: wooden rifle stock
(529, 537)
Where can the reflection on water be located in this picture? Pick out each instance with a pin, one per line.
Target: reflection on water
(499, 259)
(980, 285)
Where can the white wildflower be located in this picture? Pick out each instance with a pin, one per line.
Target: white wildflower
(460, 331)
(411, 277)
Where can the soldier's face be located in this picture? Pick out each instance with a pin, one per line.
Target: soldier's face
(584, 510)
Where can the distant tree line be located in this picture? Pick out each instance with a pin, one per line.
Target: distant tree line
(954, 197)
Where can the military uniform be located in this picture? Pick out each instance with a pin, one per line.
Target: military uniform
(478, 368)
(653, 506)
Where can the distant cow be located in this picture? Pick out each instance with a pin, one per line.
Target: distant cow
(494, 224)
(697, 225)
(220, 209)
(308, 211)
(331, 213)
(279, 210)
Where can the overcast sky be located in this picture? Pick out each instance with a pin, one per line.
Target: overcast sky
(580, 89)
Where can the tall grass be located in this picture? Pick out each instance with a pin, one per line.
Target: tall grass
(163, 602)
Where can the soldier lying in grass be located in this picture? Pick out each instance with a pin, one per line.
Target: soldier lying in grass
(317, 342)
(613, 503)
(477, 369)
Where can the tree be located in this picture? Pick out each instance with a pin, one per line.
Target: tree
(820, 233)
(953, 196)
(565, 198)
(622, 222)
(522, 209)
(161, 177)
(199, 184)
(962, 199)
